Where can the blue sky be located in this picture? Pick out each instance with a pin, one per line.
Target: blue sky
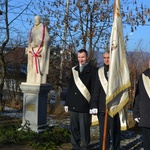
(142, 34)
(140, 38)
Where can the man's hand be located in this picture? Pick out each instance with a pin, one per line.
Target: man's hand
(94, 111)
(137, 120)
(66, 108)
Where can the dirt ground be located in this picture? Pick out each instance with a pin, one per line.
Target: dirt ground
(14, 147)
(66, 146)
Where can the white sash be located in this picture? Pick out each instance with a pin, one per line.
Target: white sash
(102, 78)
(82, 88)
(146, 82)
(104, 84)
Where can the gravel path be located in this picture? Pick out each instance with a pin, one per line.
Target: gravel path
(130, 139)
(132, 142)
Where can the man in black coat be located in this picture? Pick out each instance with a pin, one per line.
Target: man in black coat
(80, 90)
(141, 107)
(98, 106)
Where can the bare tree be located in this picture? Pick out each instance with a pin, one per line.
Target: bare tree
(4, 41)
(136, 67)
(89, 22)
(63, 43)
(85, 24)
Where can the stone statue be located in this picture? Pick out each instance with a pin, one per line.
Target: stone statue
(38, 53)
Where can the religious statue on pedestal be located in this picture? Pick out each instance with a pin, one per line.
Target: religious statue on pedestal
(38, 53)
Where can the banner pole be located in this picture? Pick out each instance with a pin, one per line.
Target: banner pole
(105, 130)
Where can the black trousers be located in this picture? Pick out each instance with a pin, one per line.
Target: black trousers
(80, 130)
(146, 138)
(113, 131)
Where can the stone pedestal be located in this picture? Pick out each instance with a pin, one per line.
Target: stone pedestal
(34, 106)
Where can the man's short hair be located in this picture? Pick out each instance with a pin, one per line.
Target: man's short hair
(83, 51)
(106, 52)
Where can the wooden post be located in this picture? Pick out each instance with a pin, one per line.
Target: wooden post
(105, 130)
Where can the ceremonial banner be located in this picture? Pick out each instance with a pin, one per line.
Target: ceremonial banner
(119, 80)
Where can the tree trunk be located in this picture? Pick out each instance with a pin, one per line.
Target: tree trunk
(2, 76)
(63, 44)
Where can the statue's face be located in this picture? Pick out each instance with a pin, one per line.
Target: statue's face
(37, 20)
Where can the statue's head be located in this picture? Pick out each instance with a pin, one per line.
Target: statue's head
(37, 20)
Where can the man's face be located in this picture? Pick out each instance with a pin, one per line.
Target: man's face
(82, 58)
(106, 58)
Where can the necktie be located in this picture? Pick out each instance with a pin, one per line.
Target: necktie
(81, 68)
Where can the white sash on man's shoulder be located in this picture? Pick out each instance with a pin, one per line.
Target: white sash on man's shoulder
(82, 88)
(146, 82)
(104, 84)
(102, 78)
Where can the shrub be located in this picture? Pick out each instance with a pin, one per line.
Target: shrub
(48, 140)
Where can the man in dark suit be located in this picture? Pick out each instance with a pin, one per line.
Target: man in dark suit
(98, 106)
(80, 89)
(141, 107)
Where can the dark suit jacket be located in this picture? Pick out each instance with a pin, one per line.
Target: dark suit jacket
(99, 96)
(141, 107)
(75, 100)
